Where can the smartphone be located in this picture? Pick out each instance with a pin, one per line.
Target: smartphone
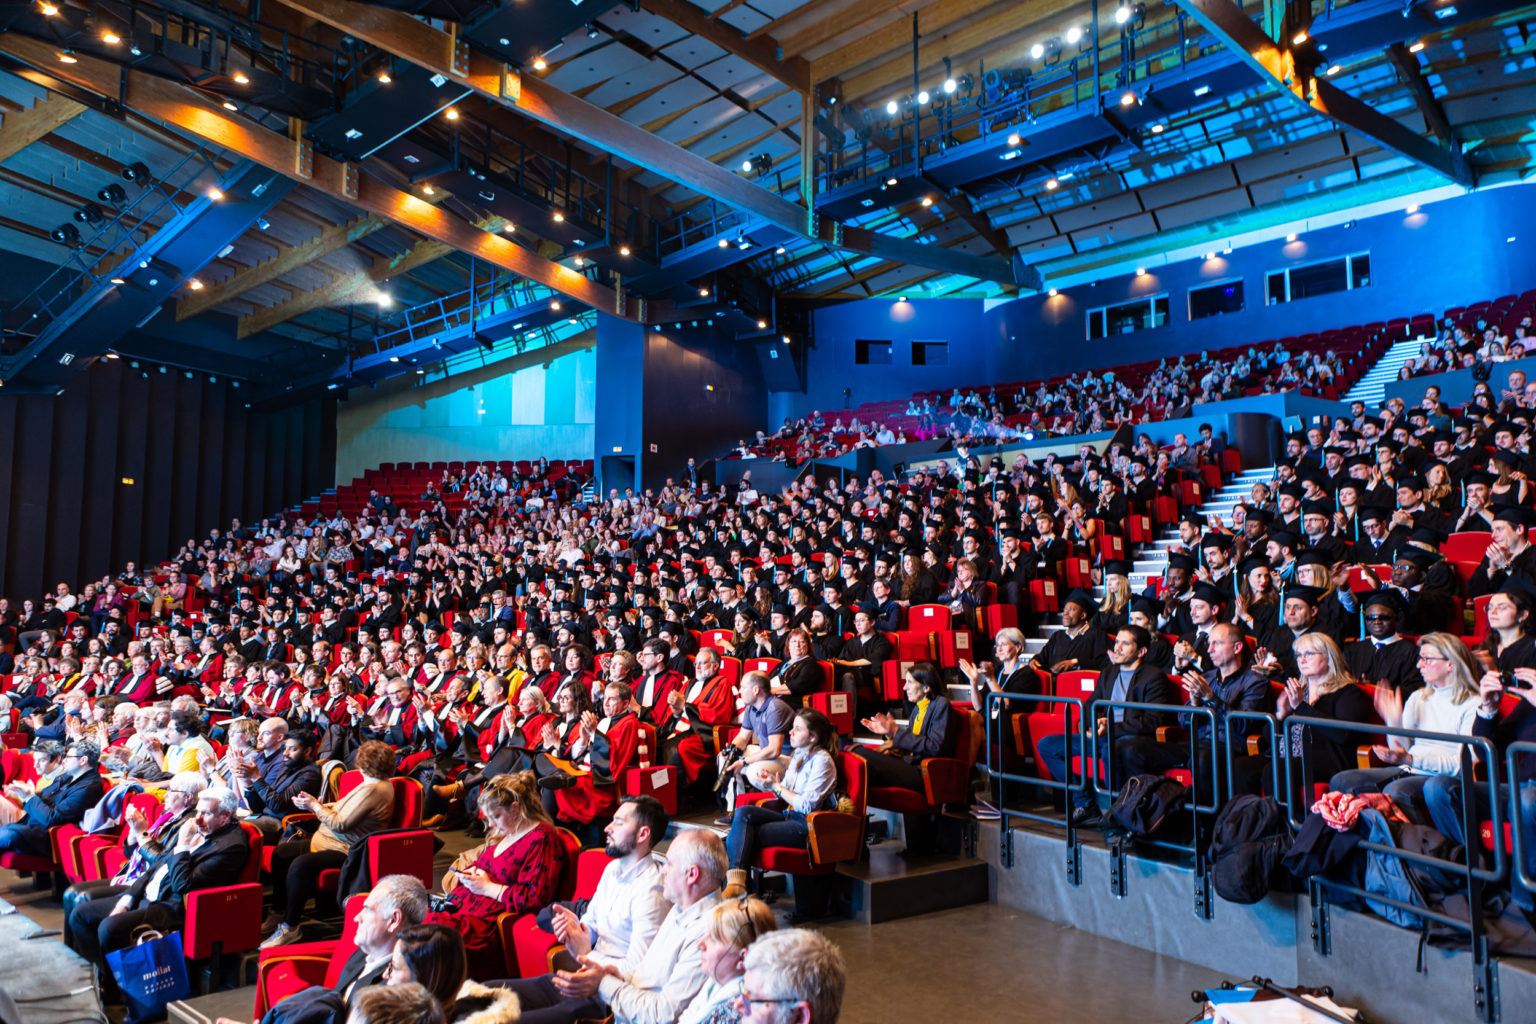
(1513, 682)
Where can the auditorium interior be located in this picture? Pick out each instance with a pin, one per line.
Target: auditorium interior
(681, 510)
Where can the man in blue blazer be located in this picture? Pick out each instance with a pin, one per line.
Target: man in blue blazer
(76, 790)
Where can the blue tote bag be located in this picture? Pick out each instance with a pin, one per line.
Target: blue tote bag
(152, 973)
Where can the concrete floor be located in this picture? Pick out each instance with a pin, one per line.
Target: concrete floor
(993, 964)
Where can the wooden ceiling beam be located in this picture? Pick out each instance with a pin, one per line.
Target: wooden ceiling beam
(19, 130)
(840, 19)
(287, 259)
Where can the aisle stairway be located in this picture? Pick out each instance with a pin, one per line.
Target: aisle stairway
(1371, 389)
(1150, 562)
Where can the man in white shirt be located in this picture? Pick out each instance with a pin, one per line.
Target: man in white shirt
(628, 906)
(654, 984)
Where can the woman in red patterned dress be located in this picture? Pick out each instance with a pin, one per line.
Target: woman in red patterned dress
(516, 871)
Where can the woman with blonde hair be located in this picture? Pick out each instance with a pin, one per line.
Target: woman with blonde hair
(1447, 703)
(514, 871)
(1115, 609)
(1322, 688)
(733, 926)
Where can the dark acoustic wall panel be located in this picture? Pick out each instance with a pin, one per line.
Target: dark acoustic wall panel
(197, 458)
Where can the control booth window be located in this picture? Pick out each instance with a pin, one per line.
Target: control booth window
(1128, 317)
(870, 353)
(1216, 298)
(1340, 274)
(930, 353)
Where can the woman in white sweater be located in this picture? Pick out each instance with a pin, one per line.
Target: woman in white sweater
(1447, 703)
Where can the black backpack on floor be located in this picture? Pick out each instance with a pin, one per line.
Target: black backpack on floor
(1146, 802)
(1248, 840)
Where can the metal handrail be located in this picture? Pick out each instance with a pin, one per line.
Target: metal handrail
(1517, 821)
(1298, 724)
(997, 709)
(1272, 726)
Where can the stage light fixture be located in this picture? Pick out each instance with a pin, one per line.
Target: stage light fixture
(1074, 35)
(89, 213)
(66, 234)
(68, 57)
(623, 250)
(539, 64)
(137, 173)
(111, 38)
(384, 78)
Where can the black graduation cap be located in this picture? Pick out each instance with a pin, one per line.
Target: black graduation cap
(1258, 515)
(1118, 567)
(1082, 599)
(1413, 482)
(1418, 556)
(1146, 606)
(1504, 455)
(1294, 490)
(1359, 460)
(1371, 512)
(1521, 590)
(1311, 595)
(1284, 538)
(1317, 507)
(1178, 560)
(1478, 476)
(1386, 596)
(1312, 556)
(1210, 594)
(1514, 515)
(1193, 518)
(1219, 541)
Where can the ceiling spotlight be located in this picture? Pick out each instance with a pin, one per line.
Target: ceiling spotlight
(950, 85)
(509, 227)
(118, 280)
(554, 304)
(215, 193)
(742, 243)
(68, 57)
(1013, 139)
(1141, 271)
(1416, 46)
(1074, 35)
(383, 78)
(1333, 69)
(111, 38)
(892, 107)
(891, 181)
(922, 97)
(623, 250)
(779, 251)
(194, 284)
(1128, 98)
(1227, 251)
(229, 106)
(1412, 209)
(760, 164)
(90, 213)
(241, 78)
(419, 372)
(580, 261)
(901, 298)
(1123, 14)
(451, 114)
(539, 64)
(591, 31)
(762, 325)
(65, 234)
(1209, 256)
(428, 190)
(1051, 185)
(49, 10)
(1053, 293)
(785, 339)
(1300, 37)
(135, 172)
(927, 200)
(1037, 51)
(384, 300)
(394, 359)
(559, 217)
(1291, 237)
(724, 243)
(703, 293)
(1159, 128)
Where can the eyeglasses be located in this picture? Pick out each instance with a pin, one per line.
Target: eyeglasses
(1379, 618)
(747, 1001)
(1431, 657)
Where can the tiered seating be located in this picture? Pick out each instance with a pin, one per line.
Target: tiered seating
(405, 482)
(1504, 313)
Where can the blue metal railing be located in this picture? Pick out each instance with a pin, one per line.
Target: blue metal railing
(1520, 828)
(115, 238)
(459, 309)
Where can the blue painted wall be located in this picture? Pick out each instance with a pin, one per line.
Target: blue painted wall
(1450, 253)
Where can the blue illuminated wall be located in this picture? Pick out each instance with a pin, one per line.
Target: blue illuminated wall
(1450, 253)
(521, 408)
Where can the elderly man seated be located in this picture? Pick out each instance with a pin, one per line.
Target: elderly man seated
(210, 850)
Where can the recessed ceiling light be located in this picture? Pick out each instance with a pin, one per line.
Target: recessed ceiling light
(215, 193)
(1291, 237)
(779, 251)
(451, 114)
(1412, 209)
(1141, 271)
(927, 200)
(229, 106)
(891, 180)
(1013, 139)
(428, 190)
(384, 78)
(241, 78)
(1052, 185)
(539, 64)
(1416, 46)
(117, 280)
(762, 325)
(49, 10)
(1159, 128)
(1333, 69)
(554, 304)
(195, 284)
(68, 57)
(1299, 38)
(703, 293)
(111, 38)
(559, 217)
(1053, 293)
(623, 250)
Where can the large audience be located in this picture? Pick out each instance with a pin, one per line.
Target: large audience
(515, 652)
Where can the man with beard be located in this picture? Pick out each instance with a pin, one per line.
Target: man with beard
(627, 906)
